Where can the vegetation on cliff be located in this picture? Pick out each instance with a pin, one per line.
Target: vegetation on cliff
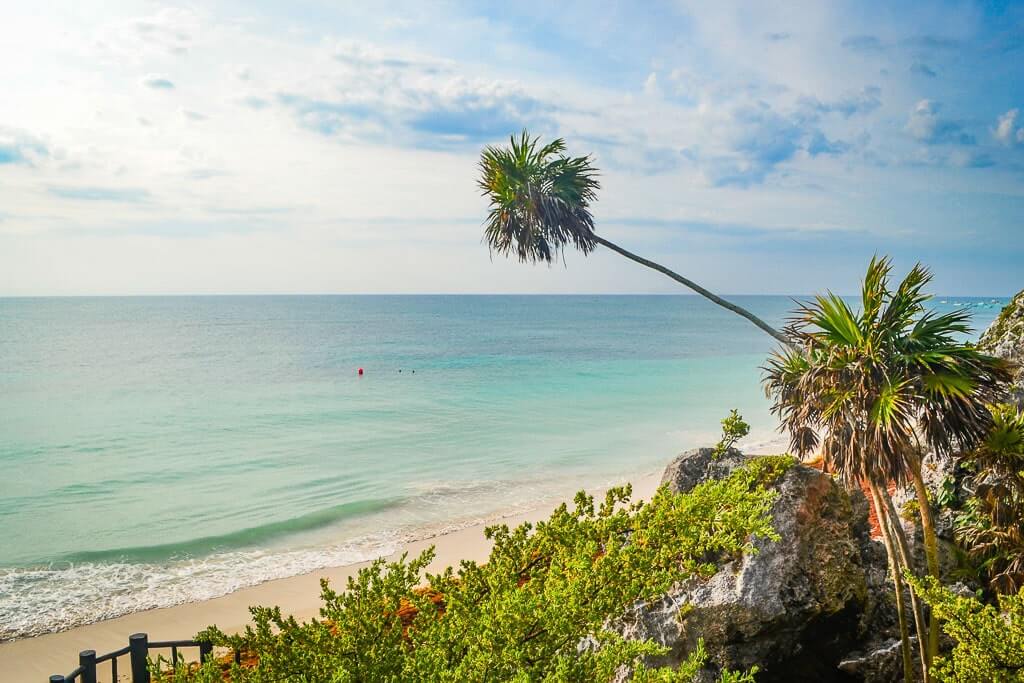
(989, 639)
(536, 610)
(1006, 333)
(991, 526)
(873, 389)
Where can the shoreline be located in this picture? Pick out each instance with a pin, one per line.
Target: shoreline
(36, 658)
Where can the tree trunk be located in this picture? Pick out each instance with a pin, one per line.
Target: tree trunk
(900, 538)
(739, 310)
(890, 551)
(931, 545)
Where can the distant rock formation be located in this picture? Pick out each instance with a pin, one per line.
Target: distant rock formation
(799, 607)
(1005, 338)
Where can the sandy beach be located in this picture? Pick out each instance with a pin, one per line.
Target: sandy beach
(35, 659)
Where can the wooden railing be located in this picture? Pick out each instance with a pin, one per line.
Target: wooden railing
(139, 647)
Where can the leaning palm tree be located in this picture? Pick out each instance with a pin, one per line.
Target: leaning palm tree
(874, 389)
(540, 205)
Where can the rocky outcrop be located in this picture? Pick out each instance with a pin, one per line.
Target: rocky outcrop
(1005, 338)
(816, 605)
(798, 606)
(881, 663)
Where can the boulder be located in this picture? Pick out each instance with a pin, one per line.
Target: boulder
(797, 606)
(882, 663)
(700, 465)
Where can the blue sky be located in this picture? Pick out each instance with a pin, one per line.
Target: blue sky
(250, 147)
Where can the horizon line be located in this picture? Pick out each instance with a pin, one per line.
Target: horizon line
(384, 294)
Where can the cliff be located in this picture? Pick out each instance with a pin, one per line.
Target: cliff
(813, 606)
(1005, 338)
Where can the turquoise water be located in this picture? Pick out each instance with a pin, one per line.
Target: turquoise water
(160, 450)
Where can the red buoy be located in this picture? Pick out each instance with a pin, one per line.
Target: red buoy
(360, 372)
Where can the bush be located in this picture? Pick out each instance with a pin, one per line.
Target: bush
(734, 428)
(989, 639)
(991, 524)
(536, 611)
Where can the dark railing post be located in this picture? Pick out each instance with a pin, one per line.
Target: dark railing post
(139, 644)
(205, 650)
(87, 660)
(57, 678)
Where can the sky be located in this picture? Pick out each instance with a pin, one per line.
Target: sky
(328, 147)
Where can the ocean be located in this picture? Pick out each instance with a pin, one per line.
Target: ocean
(159, 450)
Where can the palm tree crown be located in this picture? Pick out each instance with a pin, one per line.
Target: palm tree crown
(540, 199)
(869, 386)
(540, 204)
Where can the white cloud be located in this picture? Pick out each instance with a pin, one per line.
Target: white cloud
(1007, 131)
(157, 82)
(762, 119)
(190, 115)
(386, 97)
(651, 87)
(168, 32)
(927, 125)
(20, 147)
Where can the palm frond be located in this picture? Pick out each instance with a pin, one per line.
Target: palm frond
(539, 199)
(836, 320)
(874, 287)
(869, 385)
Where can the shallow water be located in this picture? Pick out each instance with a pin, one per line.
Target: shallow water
(160, 450)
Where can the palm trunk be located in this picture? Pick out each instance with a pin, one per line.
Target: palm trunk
(738, 310)
(890, 551)
(900, 538)
(931, 545)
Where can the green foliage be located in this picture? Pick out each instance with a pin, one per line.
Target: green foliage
(991, 524)
(910, 510)
(536, 611)
(865, 384)
(539, 199)
(989, 639)
(733, 429)
(946, 496)
(161, 670)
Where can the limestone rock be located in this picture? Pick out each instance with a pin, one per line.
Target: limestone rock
(699, 465)
(795, 607)
(1005, 338)
(881, 664)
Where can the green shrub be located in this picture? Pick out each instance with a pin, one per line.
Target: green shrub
(946, 496)
(734, 428)
(536, 611)
(989, 639)
(991, 523)
(910, 510)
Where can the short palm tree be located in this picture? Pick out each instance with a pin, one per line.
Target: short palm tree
(540, 205)
(992, 525)
(873, 389)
